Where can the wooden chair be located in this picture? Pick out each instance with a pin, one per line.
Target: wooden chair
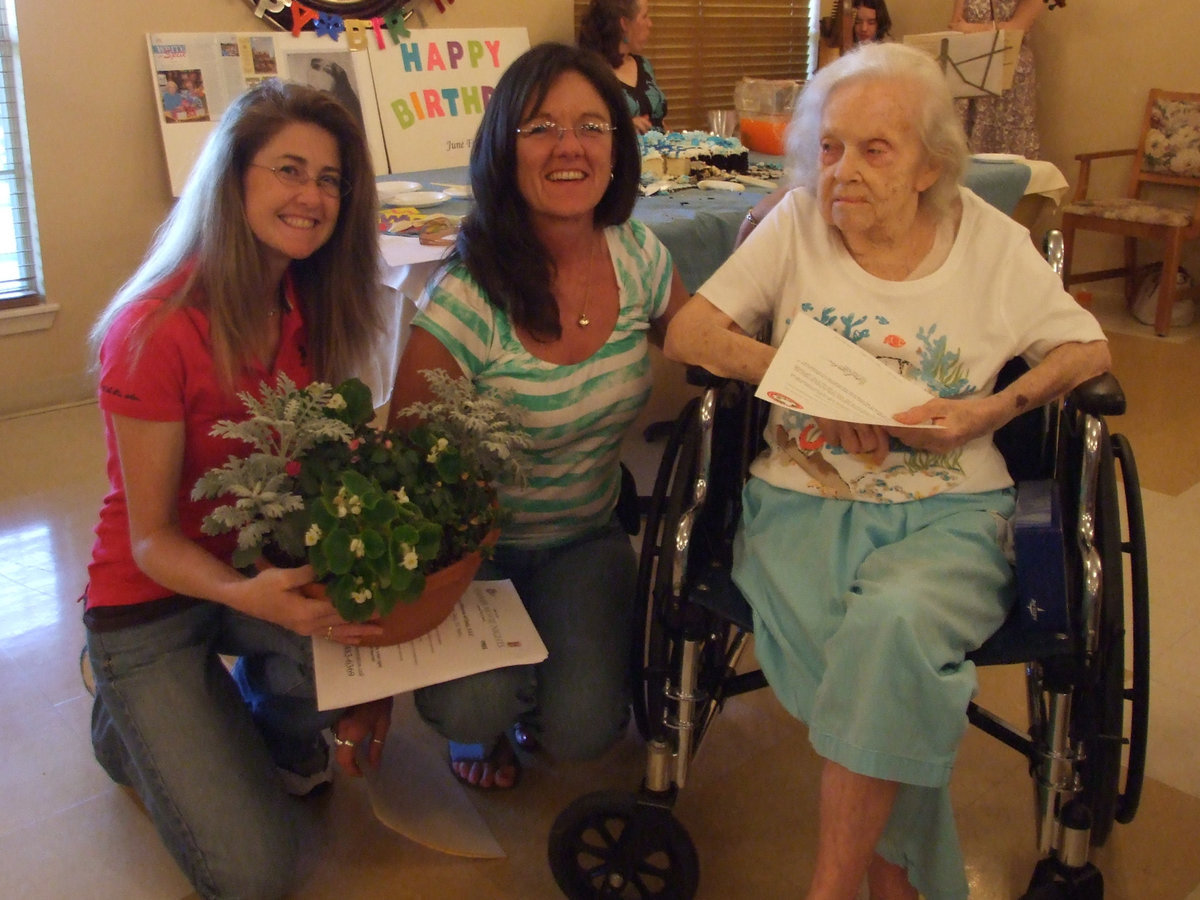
(1168, 153)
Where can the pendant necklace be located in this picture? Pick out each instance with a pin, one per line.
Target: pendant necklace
(583, 321)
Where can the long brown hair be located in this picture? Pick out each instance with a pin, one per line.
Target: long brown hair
(336, 287)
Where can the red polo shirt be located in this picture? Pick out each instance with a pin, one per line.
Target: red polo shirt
(173, 379)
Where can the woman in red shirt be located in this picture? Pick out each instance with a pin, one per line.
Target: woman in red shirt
(265, 266)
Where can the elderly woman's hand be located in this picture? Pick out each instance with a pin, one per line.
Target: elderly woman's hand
(961, 420)
(854, 437)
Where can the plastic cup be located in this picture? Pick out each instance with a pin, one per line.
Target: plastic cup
(722, 122)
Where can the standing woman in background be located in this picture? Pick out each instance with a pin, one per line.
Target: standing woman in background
(1007, 123)
(266, 266)
(618, 30)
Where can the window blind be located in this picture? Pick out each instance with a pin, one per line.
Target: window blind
(18, 226)
(701, 49)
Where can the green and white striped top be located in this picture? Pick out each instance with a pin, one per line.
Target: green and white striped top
(576, 414)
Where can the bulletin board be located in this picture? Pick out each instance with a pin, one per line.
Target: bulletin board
(420, 96)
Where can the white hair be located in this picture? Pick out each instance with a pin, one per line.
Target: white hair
(938, 125)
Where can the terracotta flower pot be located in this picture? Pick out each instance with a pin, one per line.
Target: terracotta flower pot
(443, 590)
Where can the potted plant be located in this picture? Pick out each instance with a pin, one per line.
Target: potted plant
(384, 516)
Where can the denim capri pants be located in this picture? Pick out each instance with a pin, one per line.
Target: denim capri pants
(863, 614)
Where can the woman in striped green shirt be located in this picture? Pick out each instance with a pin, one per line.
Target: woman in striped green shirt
(552, 294)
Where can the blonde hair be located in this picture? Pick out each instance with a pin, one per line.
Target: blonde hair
(336, 287)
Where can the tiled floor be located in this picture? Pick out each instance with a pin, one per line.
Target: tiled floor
(66, 832)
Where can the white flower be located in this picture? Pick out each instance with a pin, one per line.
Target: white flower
(361, 596)
(437, 450)
(402, 496)
(336, 402)
(347, 503)
(358, 548)
(411, 560)
(313, 535)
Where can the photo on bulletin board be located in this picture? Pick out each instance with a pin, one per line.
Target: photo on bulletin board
(197, 75)
(432, 89)
(182, 94)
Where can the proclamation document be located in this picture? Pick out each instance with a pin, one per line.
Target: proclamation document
(821, 373)
(488, 629)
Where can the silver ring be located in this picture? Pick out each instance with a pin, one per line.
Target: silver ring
(376, 740)
(347, 743)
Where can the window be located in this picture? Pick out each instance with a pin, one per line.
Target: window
(18, 225)
(701, 49)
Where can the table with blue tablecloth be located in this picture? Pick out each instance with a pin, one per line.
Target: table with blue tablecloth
(697, 226)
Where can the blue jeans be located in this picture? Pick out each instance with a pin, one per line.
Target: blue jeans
(171, 722)
(580, 598)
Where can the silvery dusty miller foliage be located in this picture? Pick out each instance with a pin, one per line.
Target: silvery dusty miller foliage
(373, 510)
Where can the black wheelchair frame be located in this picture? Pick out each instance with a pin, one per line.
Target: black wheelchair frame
(695, 627)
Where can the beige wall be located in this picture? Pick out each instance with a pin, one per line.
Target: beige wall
(100, 180)
(101, 183)
(1096, 60)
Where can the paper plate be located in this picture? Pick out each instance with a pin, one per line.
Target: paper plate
(387, 189)
(997, 157)
(416, 199)
(457, 191)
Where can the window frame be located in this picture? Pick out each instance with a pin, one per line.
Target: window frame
(25, 290)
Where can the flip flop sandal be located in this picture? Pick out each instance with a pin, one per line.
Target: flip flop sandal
(479, 753)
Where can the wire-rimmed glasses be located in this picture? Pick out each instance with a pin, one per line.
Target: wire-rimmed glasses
(549, 131)
(328, 183)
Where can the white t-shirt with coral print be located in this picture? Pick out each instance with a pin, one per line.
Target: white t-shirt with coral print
(992, 299)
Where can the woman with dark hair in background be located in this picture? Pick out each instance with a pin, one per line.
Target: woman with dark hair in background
(618, 30)
(551, 295)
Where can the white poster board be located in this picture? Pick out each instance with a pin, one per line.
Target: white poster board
(197, 75)
(979, 64)
(432, 89)
(420, 97)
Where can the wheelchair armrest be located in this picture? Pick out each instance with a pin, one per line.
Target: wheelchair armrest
(1099, 396)
(701, 377)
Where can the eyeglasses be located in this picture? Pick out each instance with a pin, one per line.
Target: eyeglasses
(329, 184)
(551, 132)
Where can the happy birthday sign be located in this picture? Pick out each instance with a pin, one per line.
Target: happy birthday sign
(433, 88)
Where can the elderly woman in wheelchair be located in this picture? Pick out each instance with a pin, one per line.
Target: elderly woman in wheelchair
(874, 556)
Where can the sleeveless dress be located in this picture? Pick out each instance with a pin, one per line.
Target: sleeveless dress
(1003, 124)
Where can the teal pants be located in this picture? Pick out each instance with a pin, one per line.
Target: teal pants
(863, 616)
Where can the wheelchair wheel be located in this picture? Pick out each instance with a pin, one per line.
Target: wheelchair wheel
(651, 645)
(1138, 694)
(1099, 714)
(608, 845)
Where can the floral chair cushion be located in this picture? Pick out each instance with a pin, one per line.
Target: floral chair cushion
(1173, 139)
(1127, 210)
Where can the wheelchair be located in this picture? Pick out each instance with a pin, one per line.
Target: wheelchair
(1084, 723)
